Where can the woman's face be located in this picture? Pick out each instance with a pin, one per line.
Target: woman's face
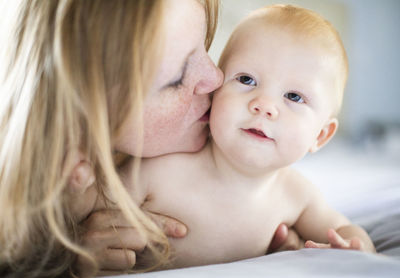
(177, 103)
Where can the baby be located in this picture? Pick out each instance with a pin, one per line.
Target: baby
(285, 72)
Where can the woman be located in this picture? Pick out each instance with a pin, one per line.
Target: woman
(85, 82)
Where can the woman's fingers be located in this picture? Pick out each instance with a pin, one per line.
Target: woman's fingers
(114, 238)
(291, 242)
(112, 241)
(106, 218)
(171, 226)
(115, 243)
(112, 248)
(280, 236)
(117, 259)
(109, 228)
(110, 261)
(103, 219)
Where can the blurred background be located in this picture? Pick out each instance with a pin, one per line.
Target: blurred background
(370, 31)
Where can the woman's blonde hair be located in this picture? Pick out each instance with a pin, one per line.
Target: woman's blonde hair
(70, 64)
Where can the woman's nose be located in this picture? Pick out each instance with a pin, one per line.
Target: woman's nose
(211, 78)
(264, 107)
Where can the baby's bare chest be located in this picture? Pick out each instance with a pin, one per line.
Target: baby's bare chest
(224, 223)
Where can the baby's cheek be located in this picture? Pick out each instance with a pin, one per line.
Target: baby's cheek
(221, 106)
(297, 142)
(221, 118)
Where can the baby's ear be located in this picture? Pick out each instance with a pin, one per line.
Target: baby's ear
(325, 134)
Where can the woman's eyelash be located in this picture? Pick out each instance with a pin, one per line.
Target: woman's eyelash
(177, 83)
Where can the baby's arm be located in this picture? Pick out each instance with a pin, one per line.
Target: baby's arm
(327, 228)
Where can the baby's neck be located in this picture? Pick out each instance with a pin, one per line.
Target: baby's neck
(236, 172)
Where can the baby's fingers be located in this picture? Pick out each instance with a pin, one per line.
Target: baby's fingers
(312, 244)
(337, 241)
(356, 244)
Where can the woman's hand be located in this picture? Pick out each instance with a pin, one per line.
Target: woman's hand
(106, 233)
(115, 243)
(285, 239)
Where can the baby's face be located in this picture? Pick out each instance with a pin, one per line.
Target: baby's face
(277, 96)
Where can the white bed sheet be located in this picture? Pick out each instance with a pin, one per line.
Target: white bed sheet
(362, 184)
(303, 263)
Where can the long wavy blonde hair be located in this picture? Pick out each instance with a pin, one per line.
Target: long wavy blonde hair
(69, 62)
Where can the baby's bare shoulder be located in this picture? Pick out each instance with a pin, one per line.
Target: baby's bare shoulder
(297, 184)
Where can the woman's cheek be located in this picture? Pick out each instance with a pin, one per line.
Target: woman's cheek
(165, 117)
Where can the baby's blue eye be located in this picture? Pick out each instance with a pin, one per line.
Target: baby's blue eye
(246, 80)
(294, 97)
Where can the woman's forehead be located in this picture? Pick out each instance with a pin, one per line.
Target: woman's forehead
(185, 27)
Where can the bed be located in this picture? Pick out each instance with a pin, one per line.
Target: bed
(362, 182)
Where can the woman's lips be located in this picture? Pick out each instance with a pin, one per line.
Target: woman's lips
(206, 116)
(257, 133)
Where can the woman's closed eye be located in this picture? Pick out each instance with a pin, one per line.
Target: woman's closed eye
(295, 97)
(246, 80)
(176, 84)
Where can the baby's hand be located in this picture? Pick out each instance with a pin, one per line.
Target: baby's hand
(338, 242)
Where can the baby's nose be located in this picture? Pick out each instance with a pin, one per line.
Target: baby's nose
(264, 107)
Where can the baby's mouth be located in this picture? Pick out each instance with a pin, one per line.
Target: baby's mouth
(256, 132)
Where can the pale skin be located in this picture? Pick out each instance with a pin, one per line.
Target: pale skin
(240, 185)
(174, 122)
